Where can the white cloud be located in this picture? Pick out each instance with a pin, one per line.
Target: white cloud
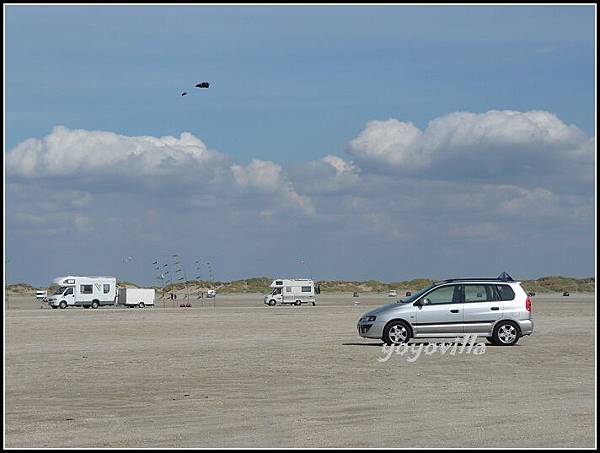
(78, 152)
(267, 177)
(264, 176)
(495, 140)
(390, 142)
(190, 165)
(328, 203)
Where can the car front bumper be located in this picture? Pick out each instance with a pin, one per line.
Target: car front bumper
(370, 329)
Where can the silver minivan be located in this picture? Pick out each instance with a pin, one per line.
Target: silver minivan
(498, 309)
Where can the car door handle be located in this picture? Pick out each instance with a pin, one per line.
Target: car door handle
(494, 308)
(454, 311)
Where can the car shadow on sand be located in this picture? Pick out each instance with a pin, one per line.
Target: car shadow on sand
(426, 343)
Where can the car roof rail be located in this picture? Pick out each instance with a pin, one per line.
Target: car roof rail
(479, 279)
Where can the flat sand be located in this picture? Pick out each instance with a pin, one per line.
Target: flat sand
(246, 375)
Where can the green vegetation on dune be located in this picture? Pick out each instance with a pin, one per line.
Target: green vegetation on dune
(560, 284)
(261, 285)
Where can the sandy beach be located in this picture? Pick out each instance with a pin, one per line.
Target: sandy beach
(245, 375)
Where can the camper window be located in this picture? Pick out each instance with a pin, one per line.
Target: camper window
(106, 288)
(288, 289)
(68, 291)
(306, 289)
(60, 291)
(87, 289)
(276, 291)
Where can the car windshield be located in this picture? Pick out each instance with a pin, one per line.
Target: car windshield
(416, 295)
(60, 291)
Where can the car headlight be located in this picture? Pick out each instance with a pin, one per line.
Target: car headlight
(369, 318)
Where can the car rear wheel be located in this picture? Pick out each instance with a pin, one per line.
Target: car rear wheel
(506, 333)
(396, 332)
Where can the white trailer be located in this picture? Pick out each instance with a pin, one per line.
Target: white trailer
(291, 292)
(136, 297)
(41, 295)
(74, 291)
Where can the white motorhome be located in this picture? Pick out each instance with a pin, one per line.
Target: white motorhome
(136, 297)
(291, 291)
(84, 292)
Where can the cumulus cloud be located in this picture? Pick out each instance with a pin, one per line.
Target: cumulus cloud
(201, 172)
(328, 175)
(79, 152)
(267, 177)
(465, 177)
(463, 143)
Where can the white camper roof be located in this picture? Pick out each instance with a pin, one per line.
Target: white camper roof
(279, 282)
(63, 280)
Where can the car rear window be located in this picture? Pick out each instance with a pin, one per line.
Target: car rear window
(505, 292)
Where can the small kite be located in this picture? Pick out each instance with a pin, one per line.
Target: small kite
(184, 93)
(202, 85)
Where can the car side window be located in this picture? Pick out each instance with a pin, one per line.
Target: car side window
(443, 295)
(478, 293)
(505, 292)
(68, 291)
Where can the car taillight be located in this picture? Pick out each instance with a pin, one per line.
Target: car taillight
(528, 303)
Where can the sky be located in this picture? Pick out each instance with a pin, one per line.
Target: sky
(338, 142)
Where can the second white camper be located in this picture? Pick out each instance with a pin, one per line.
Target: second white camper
(291, 292)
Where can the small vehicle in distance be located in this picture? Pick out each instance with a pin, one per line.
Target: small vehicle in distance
(393, 293)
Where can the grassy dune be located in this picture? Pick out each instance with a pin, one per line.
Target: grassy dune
(261, 285)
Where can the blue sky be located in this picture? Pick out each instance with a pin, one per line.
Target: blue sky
(290, 85)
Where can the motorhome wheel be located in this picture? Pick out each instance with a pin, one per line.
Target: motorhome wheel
(63, 304)
(141, 305)
(95, 304)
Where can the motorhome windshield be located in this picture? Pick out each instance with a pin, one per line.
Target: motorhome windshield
(60, 291)
(416, 295)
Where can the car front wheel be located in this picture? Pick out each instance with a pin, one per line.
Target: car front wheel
(396, 332)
